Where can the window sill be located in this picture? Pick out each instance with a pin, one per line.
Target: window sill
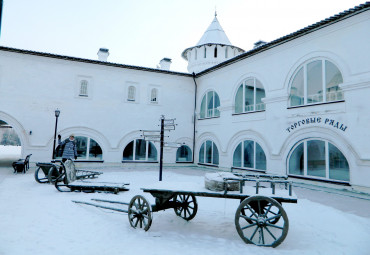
(204, 164)
(207, 118)
(138, 161)
(308, 105)
(344, 183)
(241, 113)
(184, 162)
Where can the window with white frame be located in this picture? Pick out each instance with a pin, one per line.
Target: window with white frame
(154, 96)
(208, 153)
(131, 94)
(140, 150)
(249, 154)
(209, 105)
(318, 159)
(249, 96)
(83, 88)
(315, 82)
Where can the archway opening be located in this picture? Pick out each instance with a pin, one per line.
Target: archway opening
(10, 145)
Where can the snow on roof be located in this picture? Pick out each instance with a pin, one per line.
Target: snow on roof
(214, 35)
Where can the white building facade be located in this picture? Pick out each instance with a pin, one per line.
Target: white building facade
(297, 105)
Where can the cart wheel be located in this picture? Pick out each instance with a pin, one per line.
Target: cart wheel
(188, 206)
(261, 221)
(273, 210)
(140, 213)
(37, 177)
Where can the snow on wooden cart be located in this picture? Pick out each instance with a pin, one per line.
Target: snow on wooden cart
(260, 218)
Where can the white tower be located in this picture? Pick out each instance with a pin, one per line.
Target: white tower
(213, 48)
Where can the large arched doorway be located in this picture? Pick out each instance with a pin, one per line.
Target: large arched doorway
(10, 145)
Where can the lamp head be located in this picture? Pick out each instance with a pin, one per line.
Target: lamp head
(57, 113)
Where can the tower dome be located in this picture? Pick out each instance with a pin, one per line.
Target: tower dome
(213, 48)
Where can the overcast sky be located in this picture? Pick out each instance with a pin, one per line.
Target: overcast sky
(142, 32)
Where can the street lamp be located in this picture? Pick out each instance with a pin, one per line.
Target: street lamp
(57, 113)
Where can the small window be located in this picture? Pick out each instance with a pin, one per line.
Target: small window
(249, 154)
(183, 154)
(215, 53)
(205, 52)
(83, 88)
(154, 96)
(131, 94)
(209, 105)
(226, 52)
(196, 54)
(208, 153)
(140, 150)
(249, 96)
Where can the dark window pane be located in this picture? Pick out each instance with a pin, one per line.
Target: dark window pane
(140, 152)
(95, 152)
(338, 165)
(248, 154)
(316, 158)
(128, 152)
(81, 142)
(201, 153)
(260, 158)
(237, 158)
(152, 152)
(296, 161)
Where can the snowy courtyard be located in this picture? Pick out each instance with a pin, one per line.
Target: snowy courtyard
(37, 219)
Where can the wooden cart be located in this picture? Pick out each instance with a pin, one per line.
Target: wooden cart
(259, 219)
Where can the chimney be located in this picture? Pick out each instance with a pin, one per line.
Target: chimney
(165, 64)
(259, 43)
(103, 54)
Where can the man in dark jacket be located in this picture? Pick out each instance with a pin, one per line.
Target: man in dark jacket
(69, 147)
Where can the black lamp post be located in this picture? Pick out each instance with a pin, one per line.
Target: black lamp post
(57, 113)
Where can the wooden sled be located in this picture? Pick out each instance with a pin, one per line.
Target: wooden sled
(68, 181)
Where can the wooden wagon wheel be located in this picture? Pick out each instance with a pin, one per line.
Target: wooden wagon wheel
(263, 207)
(261, 221)
(187, 208)
(140, 213)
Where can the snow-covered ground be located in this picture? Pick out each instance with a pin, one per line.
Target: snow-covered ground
(37, 219)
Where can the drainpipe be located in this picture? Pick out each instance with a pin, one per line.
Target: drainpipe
(195, 115)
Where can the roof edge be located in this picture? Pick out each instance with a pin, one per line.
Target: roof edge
(90, 61)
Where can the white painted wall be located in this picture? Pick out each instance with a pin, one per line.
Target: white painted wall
(346, 44)
(32, 87)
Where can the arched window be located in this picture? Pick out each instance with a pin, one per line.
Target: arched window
(249, 96)
(87, 149)
(209, 105)
(215, 53)
(140, 150)
(208, 153)
(154, 96)
(318, 159)
(131, 93)
(249, 154)
(183, 154)
(316, 82)
(83, 88)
